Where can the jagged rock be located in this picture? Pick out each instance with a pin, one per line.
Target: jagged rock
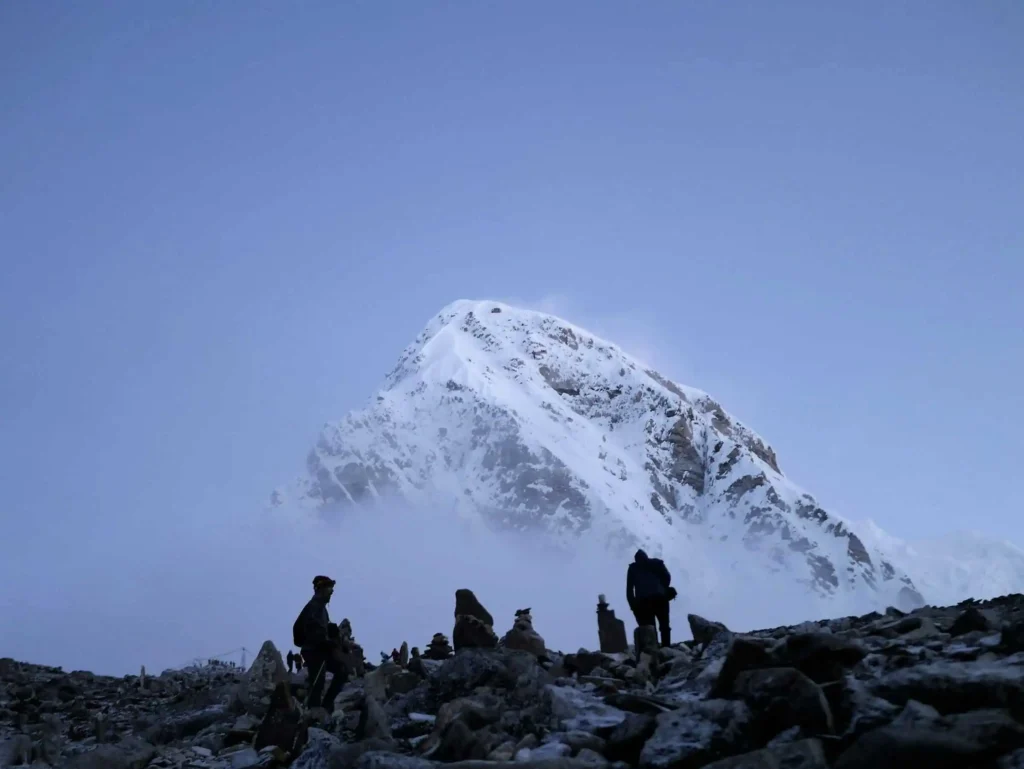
(576, 709)
(523, 637)
(320, 751)
(969, 621)
(822, 657)
(471, 633)
(591, 758)
(611, 631)
(373, 721)
(697, 734)
(501, 669)
(584, 662)
(376, 759)
(1013, 760)
(744, 653)
(855, 710)
(1012, 638)
(954, 687)
(645, 640)
(133, 753)
(578, 740)
(378, 681)
(918, 738)
(802, 754)
(466, 603)
(16, 750)
(266, 671)
(705, 631)
(281, 726)
(627, 739)
(474, 626)
(784, 697)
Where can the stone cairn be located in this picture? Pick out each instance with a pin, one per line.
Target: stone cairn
(523, 637)
(438, 648)
(351, 652)
(611, 632)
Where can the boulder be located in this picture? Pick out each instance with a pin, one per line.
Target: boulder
(266, 670)
(645, 640)
(705, 631)
(697, 734)
(471, 633)
(918, 738)
(782, 698)
(822, 657)
(466, 603)
(801, 754)
(373, 721)
(611, 631)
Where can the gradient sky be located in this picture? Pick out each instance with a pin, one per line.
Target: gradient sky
(220, 223)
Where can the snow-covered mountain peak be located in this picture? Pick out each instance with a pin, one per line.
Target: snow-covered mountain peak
(526, 421)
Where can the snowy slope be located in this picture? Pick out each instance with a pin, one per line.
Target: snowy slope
(966, 564)
(525, 421)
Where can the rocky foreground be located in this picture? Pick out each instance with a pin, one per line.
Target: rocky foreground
(939, 688)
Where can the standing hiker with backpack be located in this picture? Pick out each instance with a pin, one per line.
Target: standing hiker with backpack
(648, 591)
(312, 633)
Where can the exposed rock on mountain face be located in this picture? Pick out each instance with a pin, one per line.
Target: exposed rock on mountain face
(940, 687)
(528, 422)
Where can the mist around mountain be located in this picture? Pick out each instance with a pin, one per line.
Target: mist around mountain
(175, 590)
(520, 421)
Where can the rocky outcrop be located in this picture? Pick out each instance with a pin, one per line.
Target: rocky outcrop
(936, 687)
(474, 625)
(266, 671)
(611, 631)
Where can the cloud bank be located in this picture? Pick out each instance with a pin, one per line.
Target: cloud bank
(164, 594)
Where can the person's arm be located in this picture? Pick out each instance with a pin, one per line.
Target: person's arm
(630, 587)
(665, 576)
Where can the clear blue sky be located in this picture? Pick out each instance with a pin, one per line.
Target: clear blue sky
(221, 222)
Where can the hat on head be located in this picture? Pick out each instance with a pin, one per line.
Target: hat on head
(320, 581)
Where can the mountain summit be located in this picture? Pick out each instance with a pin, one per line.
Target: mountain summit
(527, 422)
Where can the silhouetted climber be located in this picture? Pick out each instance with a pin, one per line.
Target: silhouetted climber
(648, 591)
(291, 662)
(317, 637)
(298, 662)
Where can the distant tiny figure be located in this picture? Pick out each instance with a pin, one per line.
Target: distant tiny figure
(298, 662)
(648, 591)
(291, 662)
(395, 656)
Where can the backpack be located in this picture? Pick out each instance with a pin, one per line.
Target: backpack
(299, 629)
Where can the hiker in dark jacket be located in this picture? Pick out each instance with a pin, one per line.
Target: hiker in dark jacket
(648, 591)
(318, 649)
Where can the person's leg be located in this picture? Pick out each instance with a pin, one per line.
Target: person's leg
(662, 611)
(340, 675)
(316, 677)
(644, 612)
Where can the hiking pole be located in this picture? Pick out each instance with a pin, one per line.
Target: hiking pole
(320, 672)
